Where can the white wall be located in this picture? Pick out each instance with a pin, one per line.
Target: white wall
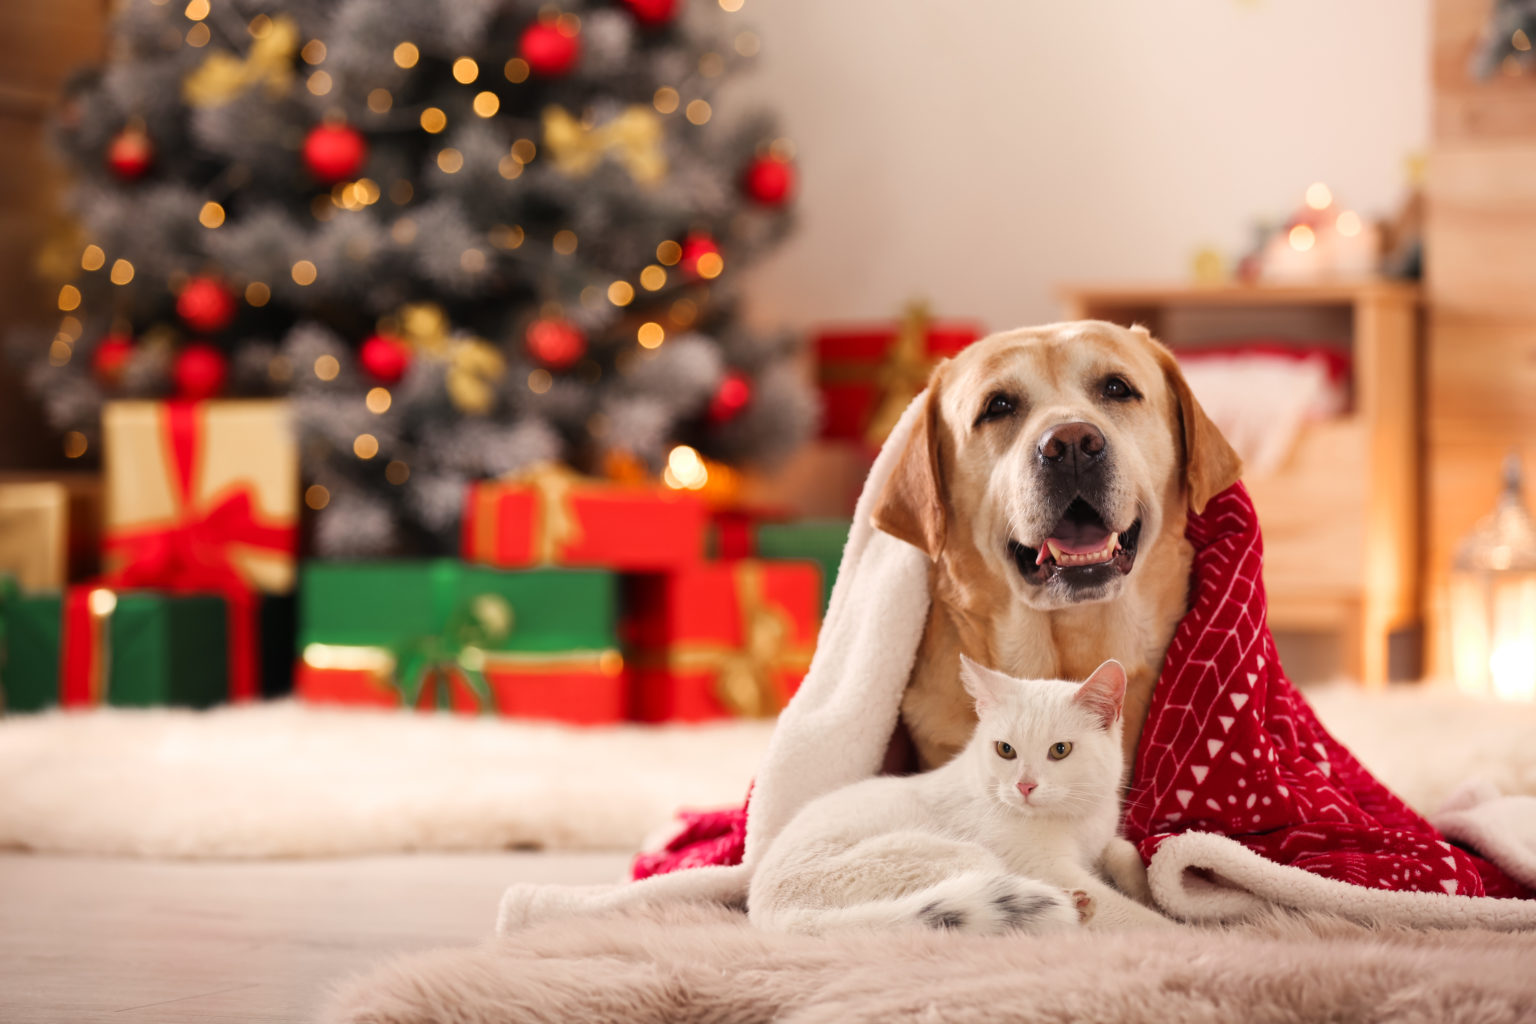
(979, 152)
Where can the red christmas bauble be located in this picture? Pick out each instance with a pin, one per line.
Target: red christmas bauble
(334, 152)
(555, 343)
(205, 305)
(384, 358)
(732, 396)
(695, 247)
(769, 180)
(110, 357)
(130, 154)
(653, 12)
(549, 48)
(199, 371)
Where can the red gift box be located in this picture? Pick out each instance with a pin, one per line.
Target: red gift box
(552, 516)
(868, 376)
(721, 640)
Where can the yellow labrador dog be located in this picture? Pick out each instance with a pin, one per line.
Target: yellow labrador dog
(1049, 478)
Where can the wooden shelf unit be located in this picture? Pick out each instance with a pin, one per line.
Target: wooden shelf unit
(1341, 517)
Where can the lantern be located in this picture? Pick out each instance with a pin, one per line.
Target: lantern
(1493, 600)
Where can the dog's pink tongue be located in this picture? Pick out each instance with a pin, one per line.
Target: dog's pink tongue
(1079, 538)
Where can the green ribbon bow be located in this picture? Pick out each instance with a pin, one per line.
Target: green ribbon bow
(459, 650)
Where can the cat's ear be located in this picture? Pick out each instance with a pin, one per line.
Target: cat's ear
(1103, 693)
(986, 686)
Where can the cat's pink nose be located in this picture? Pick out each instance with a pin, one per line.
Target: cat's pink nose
(1026, 788)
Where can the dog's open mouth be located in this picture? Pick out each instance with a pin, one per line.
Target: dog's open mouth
(1081, 550)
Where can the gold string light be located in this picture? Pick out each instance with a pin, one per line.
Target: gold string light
(621, 293)
(652, 278)
(666, 99)
(365, 446)
(472, 260)
(515, 70)
(260, 27)
(74, 444)
(540, 381)
(523, 151)
(564, 241)
(304, 273)
(380, 100)
(69, 298)
(747, 44)
(406, 55)
(1302, 238)
(710, 265)
(199, 34)
(509, 167)
(377, 400)
(685, 469)
(698, 112)
(211, 215)
(486, 103)
(730, 6)
(316, 497)
(668, 253)
(318, 83)
(433, 120)
(465, 70)
(122, 272)
(92, 258)
(59, 352)
(258, 294)
(684, 312)
(651, 334)
(506, 236)
(327, 367)
(313, 52)
(1319, 196)
(397, 472)
(403, 231)
(450, 160)
(197, 10)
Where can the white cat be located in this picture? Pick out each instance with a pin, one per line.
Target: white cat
(1010, 835)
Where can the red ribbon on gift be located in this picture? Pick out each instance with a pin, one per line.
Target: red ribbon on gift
(192, 555)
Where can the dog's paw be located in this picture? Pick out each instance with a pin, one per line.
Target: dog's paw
(1084, 905)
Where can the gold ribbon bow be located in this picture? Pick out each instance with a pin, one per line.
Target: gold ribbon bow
(223, 76)
(745, 676)
(634, 138)
(555, 524)
(474, 367)
(902, 374)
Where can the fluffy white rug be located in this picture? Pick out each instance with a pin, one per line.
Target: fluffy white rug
(285, 780)
(703, 964)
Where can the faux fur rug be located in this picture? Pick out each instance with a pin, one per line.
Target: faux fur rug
(286, 780)
(696, 964)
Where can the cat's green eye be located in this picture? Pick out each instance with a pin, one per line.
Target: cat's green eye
(1004, 751)
(1059, 750)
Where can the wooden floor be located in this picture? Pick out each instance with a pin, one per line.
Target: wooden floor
(86, 939)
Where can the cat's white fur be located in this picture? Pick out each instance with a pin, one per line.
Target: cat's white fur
(963, 846)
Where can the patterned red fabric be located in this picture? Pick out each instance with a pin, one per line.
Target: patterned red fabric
(1229, 747)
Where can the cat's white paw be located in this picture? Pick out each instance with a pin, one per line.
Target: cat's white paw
(997, 904)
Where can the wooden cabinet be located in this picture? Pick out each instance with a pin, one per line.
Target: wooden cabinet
(1341, 515)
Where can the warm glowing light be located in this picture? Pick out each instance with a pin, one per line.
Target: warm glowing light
(199, 34)
(685, 469)
(304, 273)
(211, 215)
(380, 100)
(730, 6)
(782, 149)
(102, 602)
(319, 83)
(465, 70)
(69, 298)
(1349, 224)
(565, 242)
(509, 167)
(621, 293)
(433, 120)
(367, 191)
(122, 271)
(666, 99)
(397, 472)
(377, 400)
(523, 151)
(710, 265)
(450, 160)
(197, 10)
(1520, 40)
(748, 44)
(1302, 238)
(1319, 196)
(313, 52)
(698, 112)
(327, 367)
(259, 27)
(652, 278)
(280, 369)
(506, 236)
(257, 293)
(317, 497)
(472, 260)
(669, 252)
(650, 334)
(1512, 669)
(365, 446)
(539, 381)
(59, 352)
(487, 103)
(684, 312)
(92, 258)
(74, 444)
(403, 230)
(515, 70)
(406, 55)
(711, 65)
(70, 327)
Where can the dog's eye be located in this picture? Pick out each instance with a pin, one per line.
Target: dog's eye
(1059, 750)
(1004, 751)
(1116, 388)
(998, 406)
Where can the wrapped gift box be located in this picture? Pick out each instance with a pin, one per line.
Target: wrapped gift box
(869, 375)
(737, 534)
(446, 634)
(551, 516)
(141, 648)
(34, 533)
(29, 648)
(723, 639)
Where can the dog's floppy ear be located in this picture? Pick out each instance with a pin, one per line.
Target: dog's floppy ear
(1210, 464)
(910, 506)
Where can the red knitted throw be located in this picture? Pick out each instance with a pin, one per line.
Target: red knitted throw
(1229, 747)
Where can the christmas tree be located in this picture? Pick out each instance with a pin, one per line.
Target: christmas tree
(464, 236)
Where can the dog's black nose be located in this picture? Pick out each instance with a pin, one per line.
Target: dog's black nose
(1071, 445)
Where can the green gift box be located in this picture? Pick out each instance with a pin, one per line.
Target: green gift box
(29, 648)
(451, 634)
(818, 540)
(143, 648)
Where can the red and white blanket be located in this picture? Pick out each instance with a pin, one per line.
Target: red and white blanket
(1241, 799)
